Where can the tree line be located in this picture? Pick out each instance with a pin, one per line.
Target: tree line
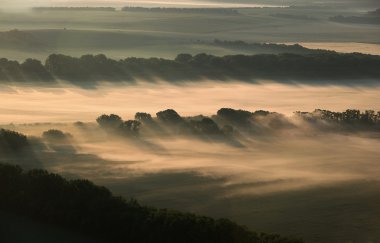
(315, 68)
(269, 48)
(348, 117)
(228, 122)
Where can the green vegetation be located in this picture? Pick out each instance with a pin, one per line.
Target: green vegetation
(83, 207)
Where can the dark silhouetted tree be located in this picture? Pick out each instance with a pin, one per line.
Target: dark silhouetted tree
(143, 117)
(169, 116)
(109, 121)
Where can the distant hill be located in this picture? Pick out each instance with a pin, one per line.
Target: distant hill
(46, 40)
(16, 39)
(372, 17)
(375, 13)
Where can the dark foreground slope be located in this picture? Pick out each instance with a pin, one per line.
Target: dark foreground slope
(81, 206)
(18, 229)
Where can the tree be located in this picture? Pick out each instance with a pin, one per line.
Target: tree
(169, 116)
(235, 117)
(12, 142)
(55, 135)
(183, 58)
(143, 117)
(109, 121)
(34, 70)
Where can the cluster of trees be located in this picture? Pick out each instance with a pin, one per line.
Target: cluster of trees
(188, 67)
(85, 68)
(239, 118)
(12, 142)
(83, 207)
(17, 148)
(167, 121)
(350, 116)
(199, 125)
(256, 122)
(227, 123)
(29, 70)
(224, 126)
(314, 68)
(56, 135)
(115, 124)
(265, 47)
(183, 10)
(264, 121)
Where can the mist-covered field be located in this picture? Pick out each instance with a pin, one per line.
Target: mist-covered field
(274, 173)
(263, 112)
(71, 104)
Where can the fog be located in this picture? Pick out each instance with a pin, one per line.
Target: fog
(28, 104)
(314, 175)
(266, 165)
(282, 158)
(283, 153)
(262, 175)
